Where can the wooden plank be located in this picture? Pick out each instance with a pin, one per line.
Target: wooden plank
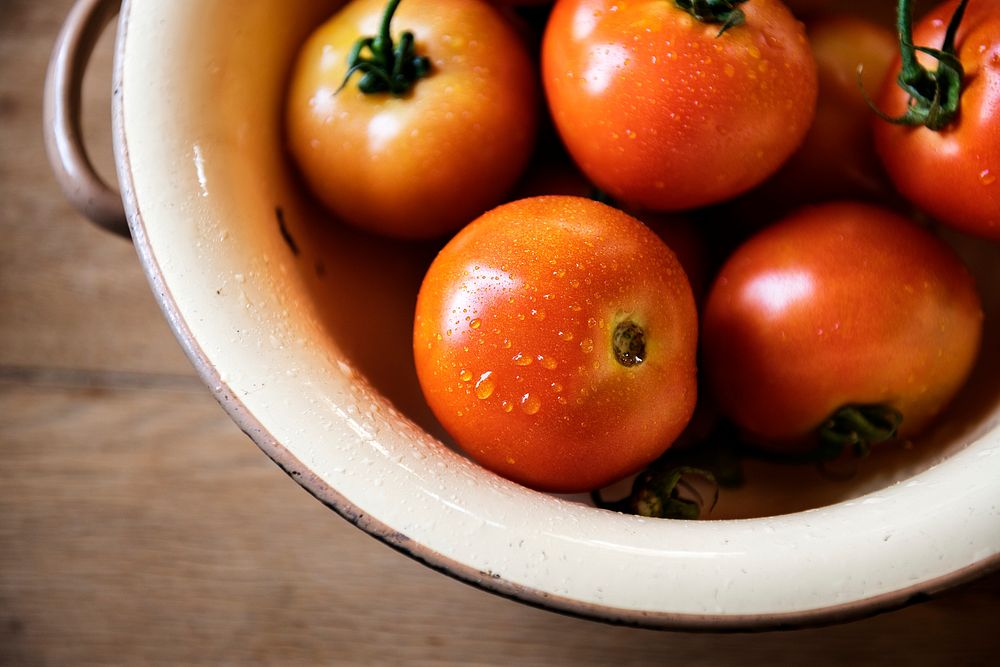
(139, 525)
(71, 296)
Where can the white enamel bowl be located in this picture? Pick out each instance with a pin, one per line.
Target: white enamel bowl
(306, 344)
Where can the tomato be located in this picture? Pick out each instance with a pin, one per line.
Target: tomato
(425, 162)
(662, 112)
(952, 174)
(554, 176)
(837, 158)
(841, 304)
(555, 340)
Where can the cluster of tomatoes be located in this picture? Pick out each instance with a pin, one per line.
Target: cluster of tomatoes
(564, 338)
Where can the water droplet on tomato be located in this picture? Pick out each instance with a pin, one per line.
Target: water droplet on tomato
(530, 404)
(522, 359)
(506, 406)
(476, 323)
(547, 362)
(566, 335)
(465, 376)
(587, 345)
(485, 386)
(986, 177)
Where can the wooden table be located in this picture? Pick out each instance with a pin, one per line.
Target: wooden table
(139, 525)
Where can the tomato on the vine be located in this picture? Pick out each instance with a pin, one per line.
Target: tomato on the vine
(839, 306)
(437, 139)
(555, 340)
(951, 172)
(665, 112)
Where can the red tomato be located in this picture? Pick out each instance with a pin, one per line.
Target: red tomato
(427, 162)
(952, 174)
(662, 112)
(555, 341)
(841, 304)
(837, 158)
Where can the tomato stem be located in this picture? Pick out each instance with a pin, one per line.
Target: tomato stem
(725, 12)
(934, 96)
(656, 493)
(389, 68)
(858, 427)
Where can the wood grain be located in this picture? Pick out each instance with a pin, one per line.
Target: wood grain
(139, 526)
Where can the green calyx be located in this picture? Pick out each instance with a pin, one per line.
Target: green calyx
(934, 95)
(726, 12)
(657, 493)
(858, 427)
(386, 67)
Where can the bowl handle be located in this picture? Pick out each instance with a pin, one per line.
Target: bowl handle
(77, 177)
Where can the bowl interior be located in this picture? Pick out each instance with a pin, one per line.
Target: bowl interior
(302, 326)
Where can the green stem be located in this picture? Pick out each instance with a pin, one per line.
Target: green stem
(383, 43)
(656, 493)
(390, 68)
(934, 96)
(904, 28)
(855, 426)
(725, 12)
(859, 427)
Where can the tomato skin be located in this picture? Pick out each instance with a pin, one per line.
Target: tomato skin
(952, 174)
(662, 113)
(424, 164)
(512, 342)
(560, 177)
(839, 304)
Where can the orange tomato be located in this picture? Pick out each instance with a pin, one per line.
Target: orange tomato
(424, 163)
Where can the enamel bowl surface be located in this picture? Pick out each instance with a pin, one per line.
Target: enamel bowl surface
(302, 329)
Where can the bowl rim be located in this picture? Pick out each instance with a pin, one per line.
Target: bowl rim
(490, 582)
